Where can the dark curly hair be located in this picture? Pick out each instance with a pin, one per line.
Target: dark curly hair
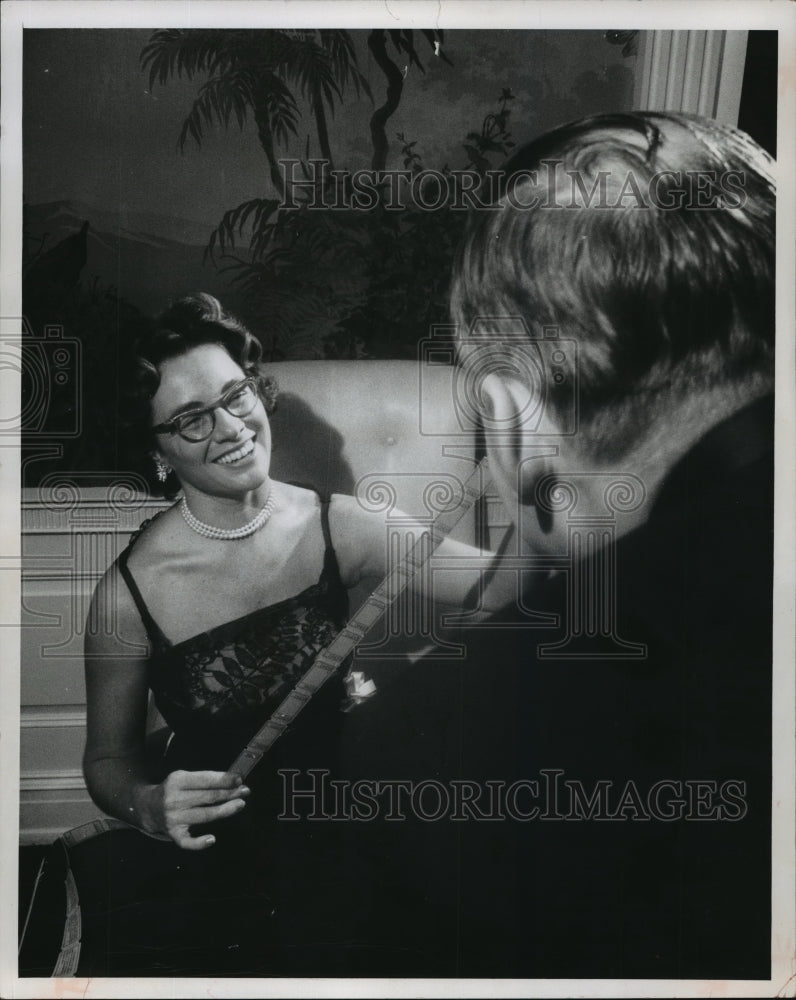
(187, 323)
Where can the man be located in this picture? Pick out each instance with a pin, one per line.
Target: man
(658, 680)
(606, 744)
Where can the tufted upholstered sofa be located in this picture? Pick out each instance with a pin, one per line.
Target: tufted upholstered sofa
(394, 433)
(345, 426)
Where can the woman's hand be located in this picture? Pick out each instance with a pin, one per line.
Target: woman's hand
(190, 798)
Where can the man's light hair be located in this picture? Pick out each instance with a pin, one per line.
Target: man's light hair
(648, 238)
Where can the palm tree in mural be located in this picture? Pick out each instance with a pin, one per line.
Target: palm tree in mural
(305, 271)
(262, 74)
(253, 71)
(404, 45)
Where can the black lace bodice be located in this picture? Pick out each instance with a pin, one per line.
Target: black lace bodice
(218, 687)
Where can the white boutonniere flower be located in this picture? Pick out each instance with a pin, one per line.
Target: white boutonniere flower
(358, 688)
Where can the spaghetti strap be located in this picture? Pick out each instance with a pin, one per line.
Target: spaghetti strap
(325, 499)
(327, 535)
(331, 568)
(151, 626)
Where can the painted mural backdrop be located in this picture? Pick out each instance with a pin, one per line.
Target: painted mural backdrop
(316, 181)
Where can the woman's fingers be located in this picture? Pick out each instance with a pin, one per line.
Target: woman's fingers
(182, 838)
(180, 823)
(204, 797)
(183, 789)
(209, 814)
(203, 779)
(198, 797)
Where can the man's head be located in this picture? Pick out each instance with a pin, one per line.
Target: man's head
(647, 239)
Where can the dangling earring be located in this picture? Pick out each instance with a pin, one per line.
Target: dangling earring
(161, 469)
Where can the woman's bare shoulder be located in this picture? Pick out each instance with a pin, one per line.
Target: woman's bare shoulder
(296, 506)
(355, 514)
(292, 495)
(359, 538)
(346, 515)
(155, 540)
(113, 599)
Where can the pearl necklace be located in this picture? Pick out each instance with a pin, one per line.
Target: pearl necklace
(227, 534)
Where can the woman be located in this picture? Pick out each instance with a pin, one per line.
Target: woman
(219, 606)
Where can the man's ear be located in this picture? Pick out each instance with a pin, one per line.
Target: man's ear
(519, 453)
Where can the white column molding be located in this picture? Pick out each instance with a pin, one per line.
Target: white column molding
(700, 72)
(71, 532)
(53, 717)
(67, 507)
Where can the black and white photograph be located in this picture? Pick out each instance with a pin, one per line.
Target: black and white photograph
(397, 531)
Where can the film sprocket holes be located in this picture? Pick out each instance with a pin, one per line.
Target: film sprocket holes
(48, 365)
(542, 360)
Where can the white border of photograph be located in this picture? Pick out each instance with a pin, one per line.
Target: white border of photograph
(686, 61)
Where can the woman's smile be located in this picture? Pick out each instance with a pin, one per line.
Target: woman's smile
(237, 454)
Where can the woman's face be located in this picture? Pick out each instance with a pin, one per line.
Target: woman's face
(236, 457)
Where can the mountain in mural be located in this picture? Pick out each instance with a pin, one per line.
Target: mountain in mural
(148, 258)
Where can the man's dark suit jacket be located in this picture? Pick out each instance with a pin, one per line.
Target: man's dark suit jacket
(669, 874)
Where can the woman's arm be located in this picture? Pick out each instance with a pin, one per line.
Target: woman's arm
(361, 542)
(114, 763)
